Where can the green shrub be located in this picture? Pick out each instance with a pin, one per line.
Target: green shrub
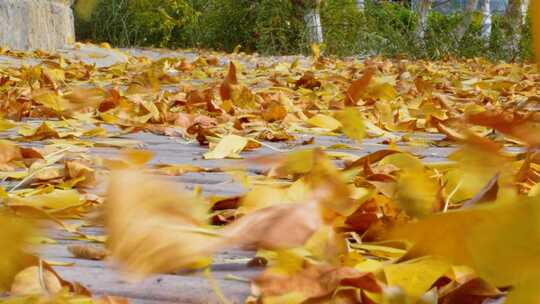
(137, 22)
(277, 27)
(344, 27)
(280, 28)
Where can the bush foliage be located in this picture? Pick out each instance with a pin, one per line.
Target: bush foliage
(277, 27)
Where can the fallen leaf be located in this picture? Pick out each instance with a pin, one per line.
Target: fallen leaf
(417, 276)
(29, 282)
(352, 124)
(55, 200)
(228, 147)
(324, 122)
(89, 252)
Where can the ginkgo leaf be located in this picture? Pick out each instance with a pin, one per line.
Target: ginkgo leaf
(167, 231)
(6, 125)
(55, 200)
(324, 122)
(78, 170)
(416, 193)
(474, 236)
(352, 124)
(228, 147)
(417, 276)
(33, 281)
(13, 235)
(525, 292)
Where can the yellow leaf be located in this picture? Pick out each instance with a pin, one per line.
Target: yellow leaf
(415, 277)
(352, 124)
(55, 200)
(137, 158)
(6, 124)
(499, 241)
(535, 190)
(55, 74)
(416, 193)
(242, 97)
(525, 292)
(13, 235)
(29, 282)
(177, 169)
(228, 147)
(383, 91)
(403, 161)
(50, 100)
(324, 122)
(316, 51)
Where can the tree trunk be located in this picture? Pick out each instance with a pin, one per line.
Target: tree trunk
(312, 17)
(515, 16)
(524, 9)
(360, 5)
(422, 8)
(486, 20)
(462, 28)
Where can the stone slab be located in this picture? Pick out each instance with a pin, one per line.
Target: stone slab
(36, 24)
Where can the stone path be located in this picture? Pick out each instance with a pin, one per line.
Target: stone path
(229, 268)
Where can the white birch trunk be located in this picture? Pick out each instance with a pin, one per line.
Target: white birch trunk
(462, 28)
(312, 18)
(486, 19)
(524, 10)
(422, 10)
(360, 5)
(515, 16)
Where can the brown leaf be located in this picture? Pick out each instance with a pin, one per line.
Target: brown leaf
(358, 87)
(514, 124)
(9, 152)
(230, 79)
(88, 252)
(308, 81)
(76, 169)
(315, 281)
(275, 111)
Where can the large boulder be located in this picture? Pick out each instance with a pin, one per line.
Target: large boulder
(36, 24)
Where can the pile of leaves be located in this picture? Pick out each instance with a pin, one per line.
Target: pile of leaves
(383, 228)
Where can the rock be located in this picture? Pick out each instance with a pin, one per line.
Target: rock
(36, 24)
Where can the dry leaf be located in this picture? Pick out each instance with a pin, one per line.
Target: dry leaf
(228, 147)
(167, 231)
(89, 252)
(29, 282)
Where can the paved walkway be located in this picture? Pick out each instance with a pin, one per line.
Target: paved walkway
(229, 268)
